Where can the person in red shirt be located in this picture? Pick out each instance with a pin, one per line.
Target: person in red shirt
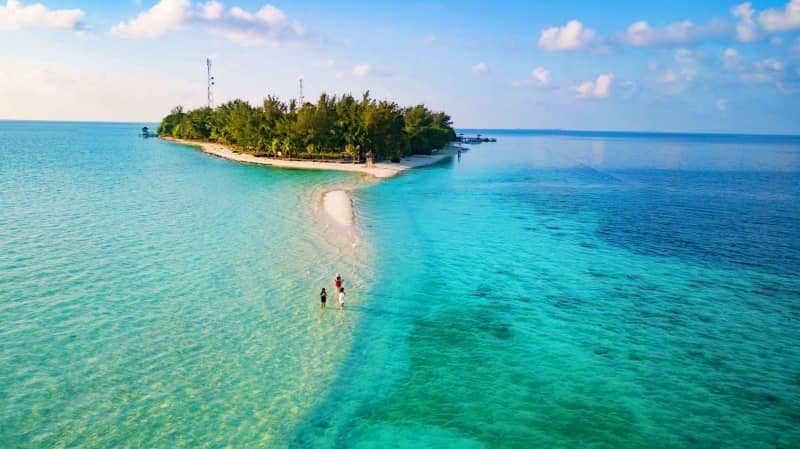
(338, 282)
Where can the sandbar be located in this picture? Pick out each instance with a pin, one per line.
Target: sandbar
(339, 207)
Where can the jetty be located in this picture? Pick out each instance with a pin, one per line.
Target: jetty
(145, 133)
(474, 139)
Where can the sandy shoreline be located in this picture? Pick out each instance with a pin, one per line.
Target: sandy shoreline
(378, 170)
(337, 204)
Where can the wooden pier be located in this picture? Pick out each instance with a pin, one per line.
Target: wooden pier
(146, 133)
(474, 139)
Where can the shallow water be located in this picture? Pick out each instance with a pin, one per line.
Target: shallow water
(548, 290)
(153, 296)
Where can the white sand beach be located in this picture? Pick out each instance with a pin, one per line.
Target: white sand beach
(378, 170)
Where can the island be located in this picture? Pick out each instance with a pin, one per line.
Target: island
(376, 137)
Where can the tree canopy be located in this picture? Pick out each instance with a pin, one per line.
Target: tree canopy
(332, 127)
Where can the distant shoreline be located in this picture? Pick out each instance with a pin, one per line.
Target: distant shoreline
(379, 170)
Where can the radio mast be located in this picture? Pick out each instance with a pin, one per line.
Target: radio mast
(302, 99)
(210, 83)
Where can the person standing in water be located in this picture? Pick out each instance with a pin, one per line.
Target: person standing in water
(323, 297)
(337, 281)
(341, 298)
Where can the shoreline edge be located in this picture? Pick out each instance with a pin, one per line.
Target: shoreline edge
(380, 170)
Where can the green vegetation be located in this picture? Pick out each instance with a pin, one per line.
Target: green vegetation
(334, 127)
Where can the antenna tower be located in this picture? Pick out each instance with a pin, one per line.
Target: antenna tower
(210, 83)
(302, 99)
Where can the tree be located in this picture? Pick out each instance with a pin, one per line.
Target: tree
(343, 126)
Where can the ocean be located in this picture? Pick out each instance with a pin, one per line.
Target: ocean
(553, 289)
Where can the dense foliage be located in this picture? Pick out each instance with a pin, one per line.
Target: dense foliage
(334, 127)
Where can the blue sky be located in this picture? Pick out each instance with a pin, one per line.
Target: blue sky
(696, 66)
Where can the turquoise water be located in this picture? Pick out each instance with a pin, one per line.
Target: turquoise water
(152, 296)
(549, 290)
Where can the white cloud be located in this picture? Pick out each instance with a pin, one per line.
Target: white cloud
(777, 20)
(601, 87)
(722, 104)
(764, 71)
(480, 68)
(212, 10)
(731, 58)
(267, 25)
(585, 88)
(685, 74)
(52, 91)
(769, 64)
(326, 63)
(641, 34)
(668, 77)
(539, 77)
(362, 70)
(746, 28)
(571, 36)
(14, 15)
(164, 16)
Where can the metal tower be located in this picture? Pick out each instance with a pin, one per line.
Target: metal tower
(210, 83)
(302, 99)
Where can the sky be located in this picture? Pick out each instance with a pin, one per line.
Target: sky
(683, 66)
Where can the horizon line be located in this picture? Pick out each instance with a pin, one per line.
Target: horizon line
(458, 129)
